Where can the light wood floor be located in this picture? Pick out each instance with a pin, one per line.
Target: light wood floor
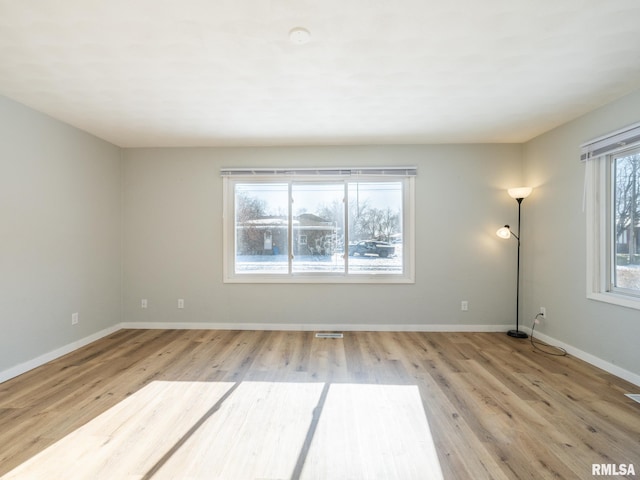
(239, 405)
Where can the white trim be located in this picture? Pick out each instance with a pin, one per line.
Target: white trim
(314, 327)
(627, 301)
(54, 354)
(589, 358)
(598, 261)
(319, 278)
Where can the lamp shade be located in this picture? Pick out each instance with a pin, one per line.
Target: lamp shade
(520, 192)
(504, 232)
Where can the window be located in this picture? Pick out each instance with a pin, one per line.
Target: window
(612, 187)
(343, 226)
(625, 187)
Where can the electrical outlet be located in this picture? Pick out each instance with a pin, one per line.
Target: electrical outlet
(143, 303)
(543, 312)
(181, 303)
(464, 305)
(74, 318)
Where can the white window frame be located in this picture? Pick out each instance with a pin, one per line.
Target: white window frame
(233, 176)
(599, 217)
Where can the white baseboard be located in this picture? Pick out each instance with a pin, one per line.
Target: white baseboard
(47, 357)
(587, 357)
(316, 327)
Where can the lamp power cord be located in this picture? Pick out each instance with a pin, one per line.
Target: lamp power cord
(543, 347)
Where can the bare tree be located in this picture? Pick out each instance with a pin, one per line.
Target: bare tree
(370, 222)
(357, 220)
(376, 223)
(389, 223)
(627, 196)
(249, 208)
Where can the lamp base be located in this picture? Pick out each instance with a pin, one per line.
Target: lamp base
(517, 334)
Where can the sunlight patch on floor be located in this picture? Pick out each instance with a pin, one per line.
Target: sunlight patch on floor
(249, 430)
(257, 434)
(128, 439)
(373, 431)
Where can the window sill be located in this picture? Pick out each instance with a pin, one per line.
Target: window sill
(321, 279)
(615, 299)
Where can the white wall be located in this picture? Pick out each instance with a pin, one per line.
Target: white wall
(555, 272)
(68, 202)
(173, 240)
(60, 235)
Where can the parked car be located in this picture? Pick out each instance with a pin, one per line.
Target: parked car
(372, 247)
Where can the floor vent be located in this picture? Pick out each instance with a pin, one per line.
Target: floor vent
(329, 335)
(634, 396)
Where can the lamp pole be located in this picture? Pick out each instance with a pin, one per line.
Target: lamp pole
(517, 333)
(519, 193)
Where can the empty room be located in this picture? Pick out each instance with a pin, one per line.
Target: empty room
(319, 240)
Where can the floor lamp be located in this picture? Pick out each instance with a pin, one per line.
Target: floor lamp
(519, 194)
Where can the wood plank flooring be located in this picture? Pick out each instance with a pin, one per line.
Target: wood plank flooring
(206, 404)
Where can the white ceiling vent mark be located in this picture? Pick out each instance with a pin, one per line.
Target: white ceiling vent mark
(299, 36)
